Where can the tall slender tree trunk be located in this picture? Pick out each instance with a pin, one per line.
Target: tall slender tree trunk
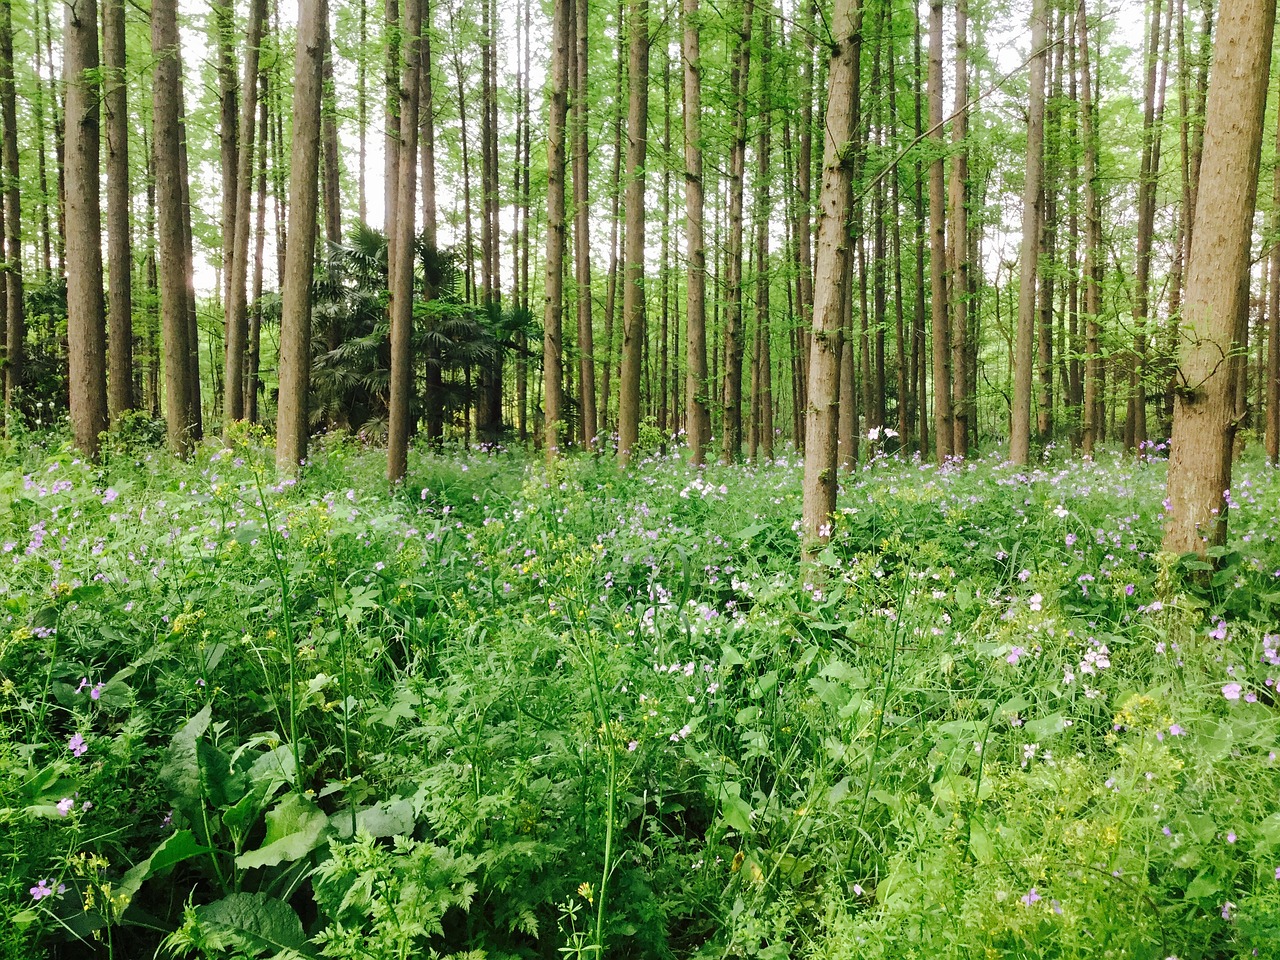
(189, 280)
(829, 287)
(400, 268)
(943, 417)
(253, 358)
(1032, 221)
(552, 346)
(1204, 419)
(172, 270)
(238, 264)
(329, 146)
(222, 14)
(119, 222)
(1047, 260)
(697, 409)
(633, 315)
(582, 230)
(761, 378)
(86, 334)
(11, 350)
(292, 421)
(1093, 252)
(391, 138)
(959, 246)
(731, 392)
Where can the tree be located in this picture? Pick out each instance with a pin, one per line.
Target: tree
(1204, 421)
(698, 414)
(1032, 223)
(552, 351)
(943, 424)
(86, 333)
(295, 308)
(119, 241)
(829, 289)
(960, 399)
(402, 251)
(238, 265)
(12, 346)
(633, 318)
(581, 228)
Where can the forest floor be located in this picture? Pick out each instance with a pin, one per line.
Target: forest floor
(503, 712)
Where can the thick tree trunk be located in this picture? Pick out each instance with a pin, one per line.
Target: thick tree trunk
(400, 267)
(1204, 420)
(697, 409)
(553, 308)
(633, 317)
(1273, 335)
(292, 421)
(391, 138)
(1032, 223)
(86, 334)
(829, 288)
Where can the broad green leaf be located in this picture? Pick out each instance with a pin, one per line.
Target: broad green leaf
(295, 827)
(257, 923)
(175, 848)
(388, 818)
(180, 771)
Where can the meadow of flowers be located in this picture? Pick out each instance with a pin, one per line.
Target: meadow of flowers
(509, 712)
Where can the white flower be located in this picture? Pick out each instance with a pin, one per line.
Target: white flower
(873, 434)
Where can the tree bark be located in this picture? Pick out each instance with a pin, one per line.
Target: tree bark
(1273, 335)
(697, 409)
(400, 267)
(761, 376)
(553, 308)
(86, 334)
(11, 349)
(292, 421)
(943, 417)
(1093, 244)
(1020, 428)
(1204, 420)
(819, 494)
(581, 230)
(238, 266)
(119, 222)
(633, 318)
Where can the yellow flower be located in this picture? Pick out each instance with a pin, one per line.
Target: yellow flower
(585, 891)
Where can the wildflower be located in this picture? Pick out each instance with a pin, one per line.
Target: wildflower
(857, 890)
(1015, 655)
(64, 806)
(1175, 730)
(585, 892)
(43, 889)
(1060, 512)
(1231, 691)
(1030, 897)
(1035, 602)
(1128, 589)
(631, 747)
(77, 746)
(1226, 910)
(1231, 836)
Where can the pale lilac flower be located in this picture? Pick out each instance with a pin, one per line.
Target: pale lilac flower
(64, 806)
(1226, 910)
(1015, 654)
(1030, 897)
(77, 746)
(1231, 836)
(1231, 691)
(1175, 730)
(41, 890)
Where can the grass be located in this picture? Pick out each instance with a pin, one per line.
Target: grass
(503, 712)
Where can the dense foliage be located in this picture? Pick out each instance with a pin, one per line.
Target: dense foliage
(506, 713)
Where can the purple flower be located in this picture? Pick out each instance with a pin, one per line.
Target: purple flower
(77, 746)
(1232, 691)
(1175, 730)
(1030, 897)
(1226, 910)
(64, 806)
(41, 890)
(1014, 655)
(1128, 590)
(1231, 836)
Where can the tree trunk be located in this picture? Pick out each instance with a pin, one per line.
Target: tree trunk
(11, 349)
(1093, 252)
(1032, 220)
(391, 141)
(697, 409)
(119, 222)
(1204, 419)
(329, 136)
(1273, 335)
(238, 265)
(292, 421)
(761, 377)
(581, 230)
(86, 336)
(731, 391)
(223, 16)
(552, 346)
(252, 380)
(828, 289)
(633, 318)
(400, 268)
(943, 417)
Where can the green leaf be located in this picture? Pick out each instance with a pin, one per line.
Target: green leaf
(736, 812)
(172, 850)
(295, 827)
(257, 923)
(180, 771)
(387, 818)
(1043, 728)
